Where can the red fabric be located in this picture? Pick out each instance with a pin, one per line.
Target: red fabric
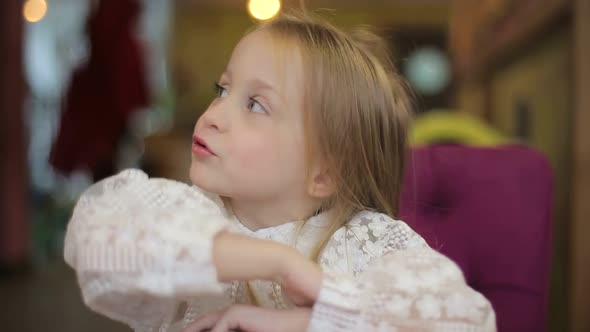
(14, 209)
(103, 92)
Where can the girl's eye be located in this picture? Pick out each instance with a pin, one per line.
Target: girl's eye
(220, 91)
(256, 107)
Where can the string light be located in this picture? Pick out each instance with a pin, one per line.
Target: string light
(34, 10)
(264, 9)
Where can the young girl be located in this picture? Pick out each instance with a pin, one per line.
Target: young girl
(297, 166)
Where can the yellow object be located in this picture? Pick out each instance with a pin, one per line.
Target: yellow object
(445, 126)
(34, 10)
(264, 9)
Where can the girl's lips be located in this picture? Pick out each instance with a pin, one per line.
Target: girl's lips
(200, 147)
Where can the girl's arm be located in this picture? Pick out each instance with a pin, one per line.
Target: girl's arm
(401, 284)
(247, 318)
(239, 257)
(406, 289)
(138, 245)
(415, 289)
(396, 282)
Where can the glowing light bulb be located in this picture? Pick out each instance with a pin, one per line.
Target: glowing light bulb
(263, 9)
(34, 10)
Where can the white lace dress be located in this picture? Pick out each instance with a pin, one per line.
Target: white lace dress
(141, 249)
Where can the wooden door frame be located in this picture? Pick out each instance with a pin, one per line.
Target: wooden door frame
(580, 223)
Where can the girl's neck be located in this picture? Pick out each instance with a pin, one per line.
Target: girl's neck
(255, 215)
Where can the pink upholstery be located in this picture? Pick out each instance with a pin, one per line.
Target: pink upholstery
(488, 209)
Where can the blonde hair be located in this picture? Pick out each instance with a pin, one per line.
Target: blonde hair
(357, 115)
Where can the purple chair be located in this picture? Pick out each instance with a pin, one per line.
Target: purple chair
(489, 210)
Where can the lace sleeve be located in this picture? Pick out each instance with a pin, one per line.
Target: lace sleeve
(393, 281)
(138, 245)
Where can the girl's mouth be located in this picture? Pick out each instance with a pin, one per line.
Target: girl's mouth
(200, 147)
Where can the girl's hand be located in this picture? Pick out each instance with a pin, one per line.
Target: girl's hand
(239, 257)
(253, 319)
(301, 280)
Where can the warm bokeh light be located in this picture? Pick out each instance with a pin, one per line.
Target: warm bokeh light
(264, 9)
(34, 10)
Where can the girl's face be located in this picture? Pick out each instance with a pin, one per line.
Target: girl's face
(249, 143)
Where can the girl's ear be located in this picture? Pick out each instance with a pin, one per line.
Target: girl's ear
(322, 184)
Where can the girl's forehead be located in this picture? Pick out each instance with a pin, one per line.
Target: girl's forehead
(262, 56)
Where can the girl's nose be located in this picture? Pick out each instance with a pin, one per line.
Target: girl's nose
(215, 118)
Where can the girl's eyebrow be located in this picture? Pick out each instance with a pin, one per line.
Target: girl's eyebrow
(262, 85)
(257, 84)
(272, 93)
(226, 73)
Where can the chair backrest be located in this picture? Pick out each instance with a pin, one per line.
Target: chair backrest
(489, 210)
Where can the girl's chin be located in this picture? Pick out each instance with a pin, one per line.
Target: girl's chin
(200, 181)
(197, 180)
(195, 176)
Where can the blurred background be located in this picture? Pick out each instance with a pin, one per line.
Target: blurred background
(88, 87)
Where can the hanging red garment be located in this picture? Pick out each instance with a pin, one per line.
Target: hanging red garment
(103, 92)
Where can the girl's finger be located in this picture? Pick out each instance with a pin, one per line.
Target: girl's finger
(204, 323)
(221, 326)
(244, 318)
(237, 317)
